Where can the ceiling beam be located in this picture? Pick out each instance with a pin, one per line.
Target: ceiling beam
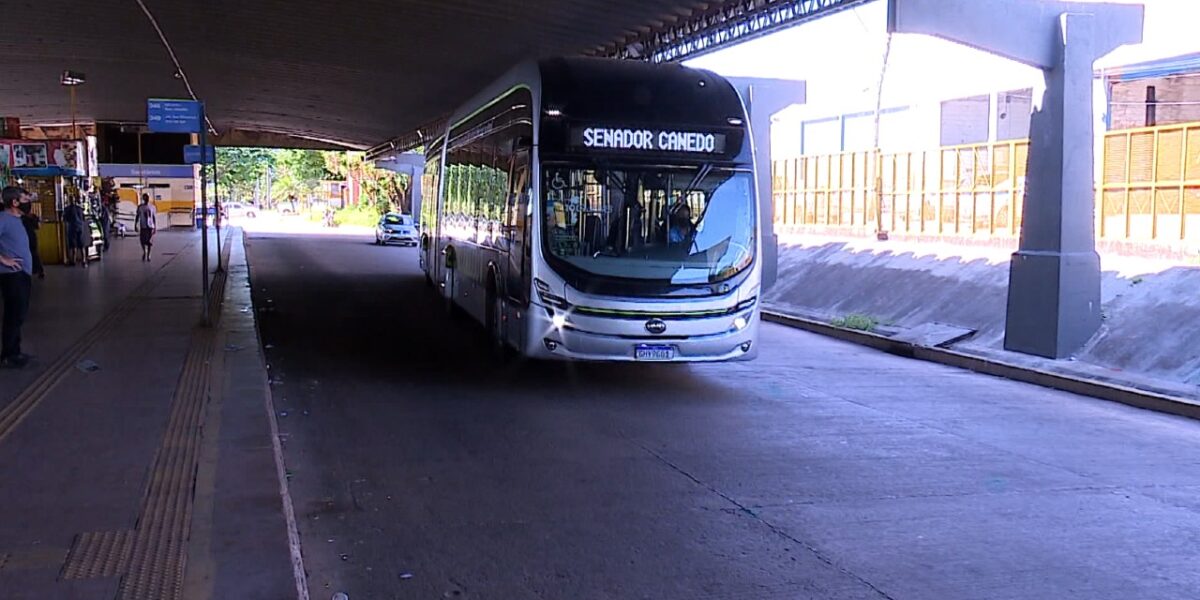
(708, 27)
(266, 139)
(722, 25)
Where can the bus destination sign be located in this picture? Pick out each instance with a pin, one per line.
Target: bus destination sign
(648, 140)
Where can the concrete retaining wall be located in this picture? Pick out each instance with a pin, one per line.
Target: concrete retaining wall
(1151, 309)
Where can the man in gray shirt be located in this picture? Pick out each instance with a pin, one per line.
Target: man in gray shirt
(16, 277)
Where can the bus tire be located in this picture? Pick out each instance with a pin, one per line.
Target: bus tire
(451, 307)
(494, 312)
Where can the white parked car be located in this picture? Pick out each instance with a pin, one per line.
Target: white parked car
(237, 210)
(396, 228)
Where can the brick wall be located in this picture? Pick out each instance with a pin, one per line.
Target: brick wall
(1129, 101)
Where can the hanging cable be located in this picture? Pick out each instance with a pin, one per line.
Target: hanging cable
(174, 59)
(887, 52)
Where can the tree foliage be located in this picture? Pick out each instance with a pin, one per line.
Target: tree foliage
(385, 190)
(299, 173)
(239, 170)
(248, 173)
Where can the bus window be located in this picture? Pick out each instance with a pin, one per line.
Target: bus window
(517, 279)
(682, 225)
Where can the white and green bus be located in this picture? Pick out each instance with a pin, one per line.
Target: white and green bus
(594, 209)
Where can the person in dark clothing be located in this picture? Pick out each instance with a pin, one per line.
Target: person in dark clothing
(105, 222)
(73, 218)
(16, 282)
(32, 223)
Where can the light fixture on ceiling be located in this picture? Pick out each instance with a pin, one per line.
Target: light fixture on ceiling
(72, 78)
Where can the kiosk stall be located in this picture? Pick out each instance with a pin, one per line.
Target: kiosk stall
(54, 172)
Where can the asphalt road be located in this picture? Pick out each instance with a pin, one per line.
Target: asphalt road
(421, 469)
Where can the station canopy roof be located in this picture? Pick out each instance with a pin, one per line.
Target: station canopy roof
(349, 73)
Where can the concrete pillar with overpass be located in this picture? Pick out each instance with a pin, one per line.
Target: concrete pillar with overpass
(1054, 279)
(411, 164)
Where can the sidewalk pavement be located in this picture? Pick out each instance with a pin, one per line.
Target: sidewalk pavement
(136, 457)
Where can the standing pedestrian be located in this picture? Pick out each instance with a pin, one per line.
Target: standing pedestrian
(105, 221)
(16, 281)
(146, 225)
(32, 223)
(76, 227)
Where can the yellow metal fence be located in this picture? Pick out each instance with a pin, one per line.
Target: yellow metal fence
(1149, 189)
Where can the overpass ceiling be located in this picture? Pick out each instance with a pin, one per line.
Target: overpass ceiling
(357, 73)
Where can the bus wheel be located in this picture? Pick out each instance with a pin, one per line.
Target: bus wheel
(448, 295)
(495, 315)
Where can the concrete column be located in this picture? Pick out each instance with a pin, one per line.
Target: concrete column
(414, 192)
(409, 164)
(1054, 279)
(764, 98)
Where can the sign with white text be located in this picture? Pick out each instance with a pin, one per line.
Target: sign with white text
(648, 140)
(173, 116)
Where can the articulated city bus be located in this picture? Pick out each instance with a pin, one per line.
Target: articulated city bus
(592, 209)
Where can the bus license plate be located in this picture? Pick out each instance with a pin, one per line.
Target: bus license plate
(648, 352)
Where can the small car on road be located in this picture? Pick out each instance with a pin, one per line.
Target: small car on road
(396, 228)
(238, 210)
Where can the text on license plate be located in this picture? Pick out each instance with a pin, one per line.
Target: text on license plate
(648, 352)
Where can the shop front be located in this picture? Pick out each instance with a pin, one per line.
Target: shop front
(56, 173)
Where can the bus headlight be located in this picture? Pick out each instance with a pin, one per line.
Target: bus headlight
(543, 290)
(740, 323)
(559, 320)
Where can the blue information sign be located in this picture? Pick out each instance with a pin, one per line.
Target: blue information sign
(173, 116)
(191, 154)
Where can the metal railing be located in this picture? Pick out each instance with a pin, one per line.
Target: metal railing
(1149, 189)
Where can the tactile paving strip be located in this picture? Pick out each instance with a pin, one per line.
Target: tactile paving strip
(158, 554)
(99, 554)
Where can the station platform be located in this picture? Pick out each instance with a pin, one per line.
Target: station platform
(135, 451)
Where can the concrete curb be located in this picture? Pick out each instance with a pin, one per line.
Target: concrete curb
(1087, 387)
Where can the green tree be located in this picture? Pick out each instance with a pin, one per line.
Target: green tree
(240, 169)
(299, 172)
(383, 189)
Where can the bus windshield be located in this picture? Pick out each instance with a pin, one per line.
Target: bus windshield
(678, 225)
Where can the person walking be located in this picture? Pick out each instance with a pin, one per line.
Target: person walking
(76, 227)
(16, 278)
(146, 225)
(32, 223)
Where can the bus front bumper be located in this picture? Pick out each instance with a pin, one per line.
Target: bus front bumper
(567, 343)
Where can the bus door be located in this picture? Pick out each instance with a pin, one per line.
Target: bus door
(516, 269)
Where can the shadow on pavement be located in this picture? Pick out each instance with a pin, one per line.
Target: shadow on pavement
(380, 324)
